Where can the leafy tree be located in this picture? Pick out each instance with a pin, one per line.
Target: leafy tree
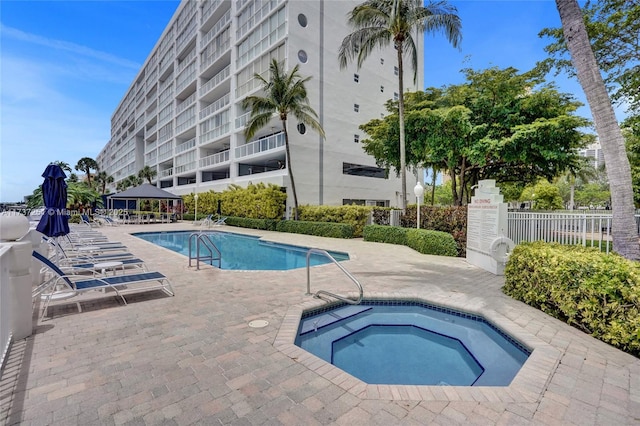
(494, 126)
(631, 133)
(86, 164)
(624, 228)
(379, 23)
(147, 173)
(592, 194)
(284, 94)
(584, 172)
(613, 27)
(103, 179)
(544, 195)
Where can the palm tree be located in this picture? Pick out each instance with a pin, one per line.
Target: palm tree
(63, 165)
(103, 179)
(379, 23)
(284, 94)
(86, 164)
(585, 172)
(624, 230)
(147, 173)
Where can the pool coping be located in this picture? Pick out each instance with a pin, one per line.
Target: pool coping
(528, 385)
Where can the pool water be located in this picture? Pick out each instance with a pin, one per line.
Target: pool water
(243, 252)
(411, 343)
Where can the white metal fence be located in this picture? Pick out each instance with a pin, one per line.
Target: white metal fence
(592, 230)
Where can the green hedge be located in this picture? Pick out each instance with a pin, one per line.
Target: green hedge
(258, 201)
(356, 216)
(449, 219)
(422, 240)
(321, 229)
(595, 292)
(244, 222)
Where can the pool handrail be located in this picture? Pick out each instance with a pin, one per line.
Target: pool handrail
(203, 239)
(327, 293)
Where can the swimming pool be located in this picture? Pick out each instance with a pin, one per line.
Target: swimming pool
(243, 252)
(411, 343)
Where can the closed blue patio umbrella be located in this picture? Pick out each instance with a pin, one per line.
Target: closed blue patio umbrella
(55, 221)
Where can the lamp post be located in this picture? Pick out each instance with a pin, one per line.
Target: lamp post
(418, 190)
(195, 197)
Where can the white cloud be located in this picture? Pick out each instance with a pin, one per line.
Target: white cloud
(16, 34)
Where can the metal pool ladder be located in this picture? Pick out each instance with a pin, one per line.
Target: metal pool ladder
(337, 296)
(203, 240)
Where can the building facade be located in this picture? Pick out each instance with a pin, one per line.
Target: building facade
(594, 153)
(183, 114)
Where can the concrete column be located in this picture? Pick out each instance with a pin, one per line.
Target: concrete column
(19, 266)
(38, 245)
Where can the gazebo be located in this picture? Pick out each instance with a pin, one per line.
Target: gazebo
(146, 192)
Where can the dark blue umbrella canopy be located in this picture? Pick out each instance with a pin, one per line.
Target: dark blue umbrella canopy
(55, 221)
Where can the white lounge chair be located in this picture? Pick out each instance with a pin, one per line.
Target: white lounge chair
(63, 285)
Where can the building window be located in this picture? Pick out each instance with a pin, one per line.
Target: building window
(395, 71)
(356, 138)
(356, 107)
(302, 20)
(381, 89)
(365, 171)
(356, 78)
(396, 96)
(302, 129)
(302, 56)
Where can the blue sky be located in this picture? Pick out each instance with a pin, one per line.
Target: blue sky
(65, 65)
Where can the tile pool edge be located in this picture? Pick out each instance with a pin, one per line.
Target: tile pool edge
(528, 385)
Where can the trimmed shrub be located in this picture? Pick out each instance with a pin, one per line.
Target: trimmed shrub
(595, 292)
(257, 201)
(449, 219)
(385, 234)
(422, 240)
(321, 229)
(244, 222)
(75, 218)
(356, 216)
(431, 242)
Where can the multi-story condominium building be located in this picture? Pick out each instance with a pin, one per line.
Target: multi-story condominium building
(183, 114)
(593, 152)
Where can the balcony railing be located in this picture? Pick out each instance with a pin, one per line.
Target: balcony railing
(215, 80)
(166, 173)
(214, 133)
(165, 151)
(222, 48)
(185, 146)
(242, 120)
(261, 145)
(187, 124)
(216, 29)
(187, 102)
(218, 158)
(208, 8)
(185, 168)
(215, 106)
(184, 62)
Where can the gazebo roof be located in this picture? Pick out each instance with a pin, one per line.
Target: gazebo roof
(145, 191)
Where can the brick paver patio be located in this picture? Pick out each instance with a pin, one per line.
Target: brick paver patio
(193, 359)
